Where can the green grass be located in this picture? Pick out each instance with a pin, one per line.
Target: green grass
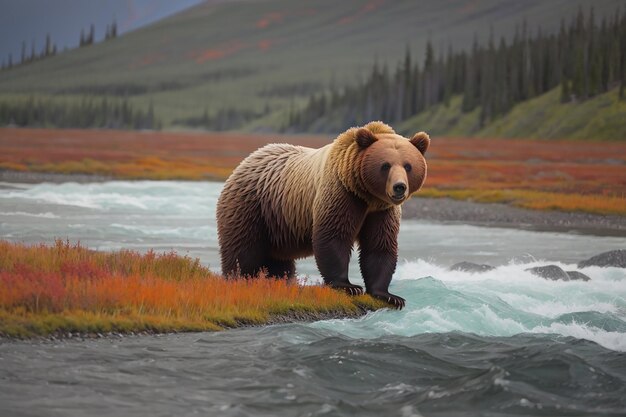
(309, 45)
(443, 120)
(600, 118)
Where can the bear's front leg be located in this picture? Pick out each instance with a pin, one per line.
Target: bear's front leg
(378, 253)
(335, 226)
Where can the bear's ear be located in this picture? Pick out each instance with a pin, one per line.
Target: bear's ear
(421, 141)
(365, 138)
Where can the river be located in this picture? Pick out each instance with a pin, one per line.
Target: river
(497, 343)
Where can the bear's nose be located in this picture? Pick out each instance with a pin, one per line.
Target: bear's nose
(399, 188)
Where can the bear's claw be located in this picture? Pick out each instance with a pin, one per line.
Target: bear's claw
(393, 300)
(397, 302)
(356, 291)
(350, 289)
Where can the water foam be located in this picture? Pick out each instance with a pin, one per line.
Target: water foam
(173, 196)
(176, 232)
(503, 302)
(46, 215)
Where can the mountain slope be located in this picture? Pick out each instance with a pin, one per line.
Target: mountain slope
(600, 118)
(266, 54)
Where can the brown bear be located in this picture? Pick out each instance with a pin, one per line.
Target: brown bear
(285, 202)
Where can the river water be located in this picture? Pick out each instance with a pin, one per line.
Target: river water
(498, 343)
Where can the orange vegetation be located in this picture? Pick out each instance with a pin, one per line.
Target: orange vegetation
(561, 175)
(68, 288)
(219, 52)
(130, 154)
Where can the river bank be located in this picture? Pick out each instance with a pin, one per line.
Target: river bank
(503, 215)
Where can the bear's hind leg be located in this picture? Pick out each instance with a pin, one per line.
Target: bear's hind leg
(280, 268)
(247, 262)
(241, 233)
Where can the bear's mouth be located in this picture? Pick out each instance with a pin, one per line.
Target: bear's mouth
(397, 199)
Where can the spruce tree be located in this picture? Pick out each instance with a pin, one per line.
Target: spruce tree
(406, 85)
(150, 116)
(565, 92)
(471, 88)
(48, 47)
(449, 77)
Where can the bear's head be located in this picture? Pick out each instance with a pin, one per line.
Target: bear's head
(392, 167)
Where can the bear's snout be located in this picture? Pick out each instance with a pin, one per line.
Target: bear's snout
(399, 189)
(397, 194)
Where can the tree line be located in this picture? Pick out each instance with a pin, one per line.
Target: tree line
(84, 113)
(50, 48)
(583, 58)
(227, 118)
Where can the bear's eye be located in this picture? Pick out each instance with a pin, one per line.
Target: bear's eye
(408, 167)
(385, 166)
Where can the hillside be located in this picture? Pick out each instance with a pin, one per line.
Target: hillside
(600, 118)
(256, 58)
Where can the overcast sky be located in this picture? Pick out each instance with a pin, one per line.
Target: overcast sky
(30, 20)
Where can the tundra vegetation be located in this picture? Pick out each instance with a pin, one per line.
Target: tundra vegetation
(66, 288)
(546, 175)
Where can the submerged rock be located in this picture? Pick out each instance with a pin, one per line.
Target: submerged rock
(577, 276)
(616, 258)
(471, 267)
(551, 272)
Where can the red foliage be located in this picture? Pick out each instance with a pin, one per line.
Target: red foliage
(35, 290)
(218, 52)
(26, 145)
(269, 19)
(368, 7)
(83, 269)
(264, 44)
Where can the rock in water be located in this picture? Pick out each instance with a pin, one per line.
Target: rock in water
(577, 276)
(551, 272)
(616, 258)
(471, 267)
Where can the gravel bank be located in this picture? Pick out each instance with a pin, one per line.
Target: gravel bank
(37, 177)
(502, 215)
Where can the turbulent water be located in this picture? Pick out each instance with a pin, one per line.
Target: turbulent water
(502, 342)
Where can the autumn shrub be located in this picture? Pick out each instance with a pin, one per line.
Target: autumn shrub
(66, 287)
